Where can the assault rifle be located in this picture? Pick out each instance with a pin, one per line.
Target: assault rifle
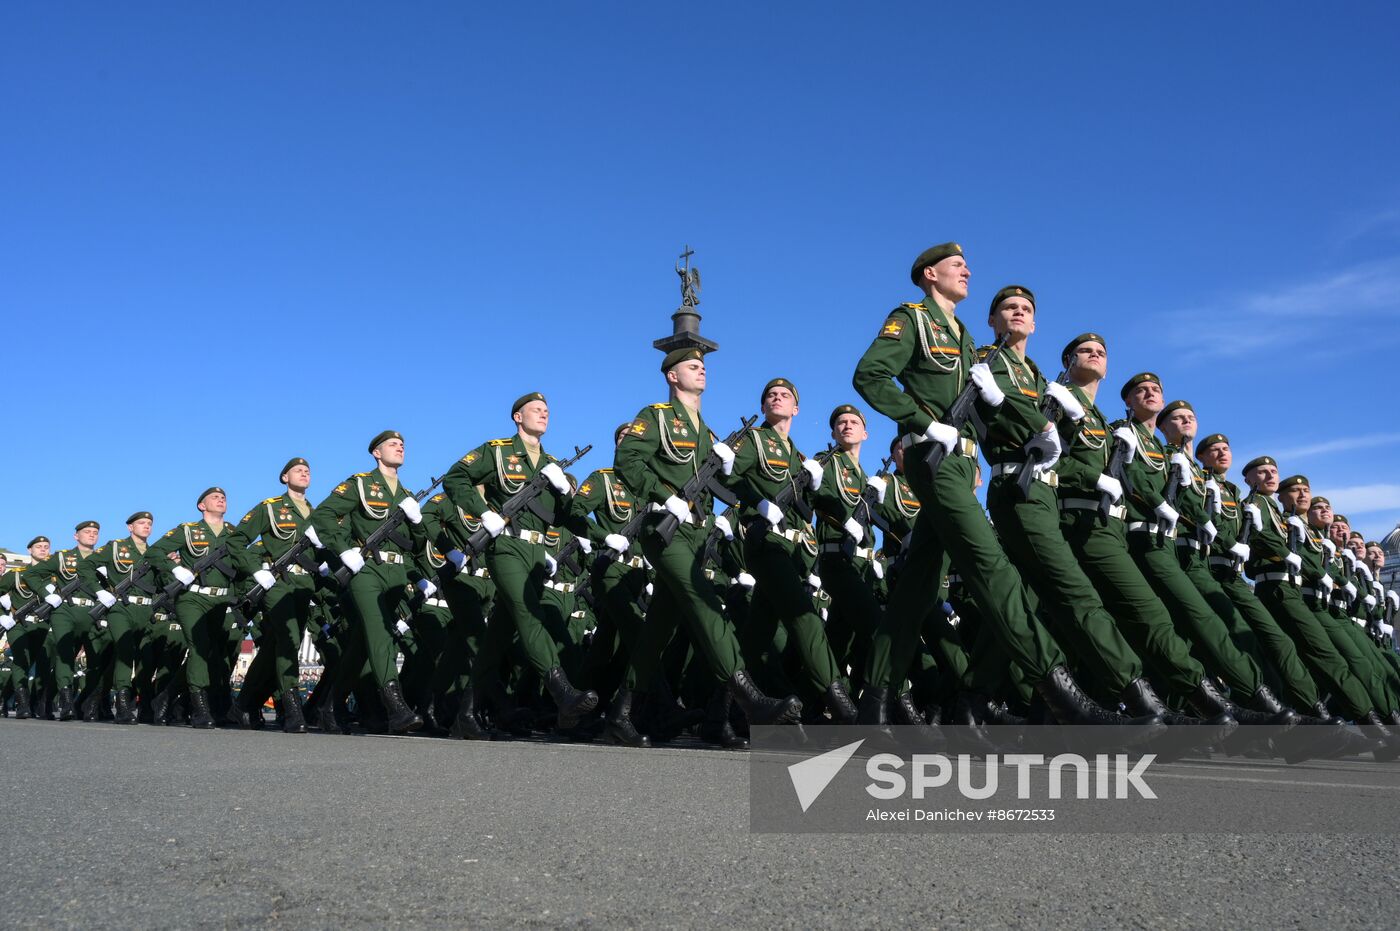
(520, 501)
(1052, 410)
(37, 610)
(1117, 469)
(960, 410)
(390, 523)
(867, 511)
(567, 558)
(249, 605)
(138, 572)
(702, 481)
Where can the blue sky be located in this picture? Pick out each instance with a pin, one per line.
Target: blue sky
(237, 233)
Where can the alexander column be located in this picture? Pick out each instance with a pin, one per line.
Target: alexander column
(685, 322)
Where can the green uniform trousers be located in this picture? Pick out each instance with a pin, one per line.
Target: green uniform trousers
(1315, 646)
(616, 591)
(854, 614)
(682, 593)
(1030, 533)
(951, 526)
(70, 627)
(1195, 619)
(286, 611)
(518, 569)
(27, 652)
(782, 595)
(1359, 653)
(125, 627)
(375, 595)
(428, 639)
(1102, 551)
(1297, 687)
(204, 622)
(469, 598)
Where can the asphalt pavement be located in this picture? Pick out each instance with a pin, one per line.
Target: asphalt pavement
(142, 827)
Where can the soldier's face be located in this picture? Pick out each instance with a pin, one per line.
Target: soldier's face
(1357, 546)
(1179, 425)
(1015, 315)
(390, 452)
(299, 478)
(214, 505)
(849, 430)
(1217, 457)
(1264, 478)
(1319, 514)
(1146, 399)
(1376, 556)
(1339, 533)
(779, 403)
(688, 376)
(1296, 498)
(533, 418)
(39, 550)
(1089, 362)
(949, 277)
(87, 536)
(141, 529)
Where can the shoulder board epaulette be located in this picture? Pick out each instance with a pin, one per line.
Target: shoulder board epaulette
(906, 305)
(1121, 422)
(191, 523)
(360, 475)
(661, 407)
(600, 471)
(439, 497)
(502, 442)
(270, 500)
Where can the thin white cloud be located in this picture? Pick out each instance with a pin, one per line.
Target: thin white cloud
(1363, 499)
(1366, 441)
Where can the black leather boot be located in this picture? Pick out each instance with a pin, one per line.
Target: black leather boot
(1140, 698)
(1395, 718)
(200, 716)
(874, 707)
(126, 714)
(1280, 715)
(571, 702)
(160, 707)
(22, 709)
(65, 703)
(759, 708)
(401, 718)
(328, 711)
(838, 702)
(1069, 704)
(237, 715)
(617, 725)
(92, 708)
(716, 729)
(293, 721)
(466, 725)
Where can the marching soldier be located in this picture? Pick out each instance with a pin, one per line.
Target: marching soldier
(482, 482)
(27, 640)
(664, 446)
(929, 351)
(128, 619)
(71, 625)
(378, 585)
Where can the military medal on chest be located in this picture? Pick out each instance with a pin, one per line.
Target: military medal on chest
(678, 426)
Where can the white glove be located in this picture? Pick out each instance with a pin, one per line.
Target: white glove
(324, 568)
(1294, 562)
(1387, 630)
(679, 508)
(107, 598)
(53, 600)
(723, 526)
(650, 589)
(877, 483)
(1298, 524)
(353, 560)
(1255, 517)
(586, 545)
(1365, 571)
(1350, 589)
(1067, 401)
(401, 627)
(1378, 589)
(556, 477)
(617, 543)
(746, 580)
(771, 512)
(458, 560)
(853, 527)
(427, 587)
(6, 622)
(1327, 584)
(986, 383)
(878, 568)
(185, 576)
(494, 523)
(1183, 468)
(310, 534)
(1350, 558)
(814, 473)
(1240, 551)
(411, 510)
(1167, 515)
(1048, 442)
(550, 565)
(1330, 547)
(102, 571)
(5, 601)
(1209, 532)
(1213, 496)
(1129, 437)
(1369, 601)
(1110, 486)
(815, 581)
(726, 457)
(943, 435)
(265, 578)
(1394, 600)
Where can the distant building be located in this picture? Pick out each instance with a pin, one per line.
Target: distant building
(1390, 543)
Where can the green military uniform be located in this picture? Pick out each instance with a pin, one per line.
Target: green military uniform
(127, 622)
(929, 353)
(1274, 585)
(26, 639)
(71, 626)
